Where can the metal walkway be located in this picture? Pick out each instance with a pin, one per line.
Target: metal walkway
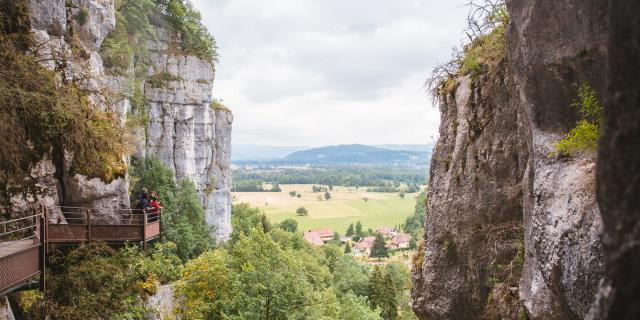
(25, 236)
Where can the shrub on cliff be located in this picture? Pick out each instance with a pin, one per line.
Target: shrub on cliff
(182, 215)
(95, 280)
(584, 136)
(43, 115)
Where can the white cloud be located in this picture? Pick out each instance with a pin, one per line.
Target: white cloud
(316, 72)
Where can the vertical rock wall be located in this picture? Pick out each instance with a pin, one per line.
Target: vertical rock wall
(473, 225)
(554, 47)
(619, 167)
(69, 47)
(187, 134)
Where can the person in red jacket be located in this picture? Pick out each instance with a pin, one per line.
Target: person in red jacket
(154, 207)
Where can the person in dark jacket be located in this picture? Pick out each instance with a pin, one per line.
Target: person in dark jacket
(143, 203)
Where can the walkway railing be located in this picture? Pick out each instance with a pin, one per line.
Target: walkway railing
(84, 224)
(24, 236)
(21, 248)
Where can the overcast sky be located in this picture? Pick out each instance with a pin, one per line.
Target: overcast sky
(320, 72)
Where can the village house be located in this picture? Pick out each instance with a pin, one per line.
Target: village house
(363, 247)
(318, 237)
(313, 238)
(400, 241)
(387, 232)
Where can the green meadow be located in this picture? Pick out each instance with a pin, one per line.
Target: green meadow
(347, 205)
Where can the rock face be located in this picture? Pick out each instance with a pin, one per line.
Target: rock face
(161, 304)
(77, 60)
(474, 212)
(5, 309)
(619, 167)
(187, 134)
(553, 48)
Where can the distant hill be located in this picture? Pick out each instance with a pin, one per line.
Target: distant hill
(254, 152)
(407, 147)
(357, 154)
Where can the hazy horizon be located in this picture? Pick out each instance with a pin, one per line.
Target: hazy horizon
(309, 73)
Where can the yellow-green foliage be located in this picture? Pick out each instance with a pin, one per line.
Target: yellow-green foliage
(192, 36)
(39, 114)
(95, 281)
(161, 79)
(217, 105)
(205, 286)
(487, 50)
(584, 136)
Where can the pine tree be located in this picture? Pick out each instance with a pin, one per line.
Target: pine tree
(359, 229)
(379, 248)
(350, 230)
(347, 248)
(390, 302)
(376, 289)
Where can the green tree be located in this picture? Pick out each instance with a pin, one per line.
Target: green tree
(207, 286)
(401, 194)
(289, 224)
(379, 248)
(265, 224)
(330, 187)
(353, 307)
(302, 211)
(359, 232)
(327, 195)
(271, 283)
(347, 248)
(350, 231)
(383, 294)
(293, 193)
(390, 302)
(182, 214)
(350, 276)
(332, 253)
(186, 227)
(413, 244)
(243, 219)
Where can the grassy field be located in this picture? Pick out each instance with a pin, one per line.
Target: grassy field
(346, 206)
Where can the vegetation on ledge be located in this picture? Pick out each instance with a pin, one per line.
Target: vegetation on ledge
(487, 25)
(584, 136)
(42, 115)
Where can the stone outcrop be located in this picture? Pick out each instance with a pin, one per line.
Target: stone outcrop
(474, 212)
(5, 309)
(184, 131)
(553, 48)
(619, 167)
(78, 61)
(161, 304)
(187, 133)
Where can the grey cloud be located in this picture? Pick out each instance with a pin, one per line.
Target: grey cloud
(291, 56)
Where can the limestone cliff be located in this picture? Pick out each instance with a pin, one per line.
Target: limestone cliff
(183, 130)
(494, 165)
(188, 133)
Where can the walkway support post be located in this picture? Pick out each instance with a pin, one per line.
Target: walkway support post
(89, 234)
(144, 230)
(43, 245)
